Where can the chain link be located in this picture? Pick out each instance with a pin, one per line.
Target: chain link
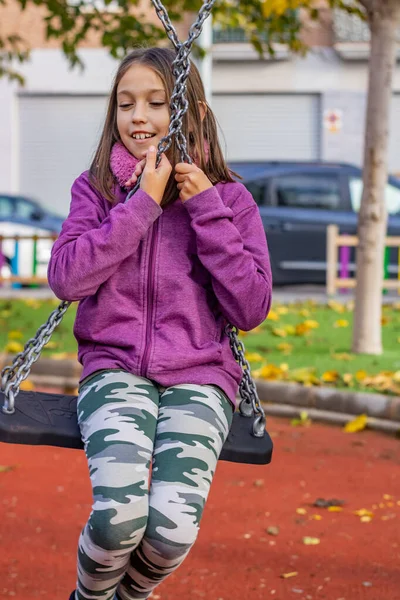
(12, 376)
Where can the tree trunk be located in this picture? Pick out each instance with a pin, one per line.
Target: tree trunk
(384, 16)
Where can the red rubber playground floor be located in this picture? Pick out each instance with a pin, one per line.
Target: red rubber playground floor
(252, 541)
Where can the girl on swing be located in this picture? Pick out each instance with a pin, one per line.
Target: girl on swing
(157, 279)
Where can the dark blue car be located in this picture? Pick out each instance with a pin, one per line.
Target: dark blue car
(297, 201)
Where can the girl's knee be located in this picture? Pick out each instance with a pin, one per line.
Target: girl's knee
(170, 540)
(110, 530)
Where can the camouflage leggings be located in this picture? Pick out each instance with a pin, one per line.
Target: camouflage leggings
(137, 535)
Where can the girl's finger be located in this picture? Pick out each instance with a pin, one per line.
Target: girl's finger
(186, 168)
(180, 178)
(150, 159)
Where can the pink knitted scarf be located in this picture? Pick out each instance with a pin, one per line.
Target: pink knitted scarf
(123, 163)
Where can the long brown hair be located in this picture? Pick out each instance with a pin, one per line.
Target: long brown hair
(202, 135)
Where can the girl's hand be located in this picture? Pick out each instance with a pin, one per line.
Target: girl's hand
(154, 181)
(136, 173)
(191, 180)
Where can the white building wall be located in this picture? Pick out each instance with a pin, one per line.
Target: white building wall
(341, 84)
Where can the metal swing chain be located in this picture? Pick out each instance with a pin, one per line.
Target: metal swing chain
(12, 376)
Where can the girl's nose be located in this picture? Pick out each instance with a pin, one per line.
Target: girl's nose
(139, 114)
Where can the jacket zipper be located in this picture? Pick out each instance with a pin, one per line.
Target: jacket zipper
(150, 290)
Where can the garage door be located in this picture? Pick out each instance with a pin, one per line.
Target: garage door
(394, 139)
(269, 126)
(57, 139)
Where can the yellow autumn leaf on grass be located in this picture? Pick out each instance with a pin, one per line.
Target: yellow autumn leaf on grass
(304, 312)
(348, 378)
(357, 424)
(271, 372)
(302, 329)
(14, 347)
(311, 324)
(305, 375)
(285, 347)
(330, 376)
(253, 357)
(290, 329)
(311, 541)
(282, 310)
(361, 375)
(341, 323)
(279, 332)
(15, 335)
(336, 306)
(273, 316)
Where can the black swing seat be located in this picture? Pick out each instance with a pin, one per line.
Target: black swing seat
(50, 420)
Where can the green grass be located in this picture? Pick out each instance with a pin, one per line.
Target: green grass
(24, 317)
(316, 351)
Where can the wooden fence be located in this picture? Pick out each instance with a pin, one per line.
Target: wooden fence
(16, 278)
(336, 257)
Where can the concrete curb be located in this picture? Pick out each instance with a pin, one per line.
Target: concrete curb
(66, 373)
(325, 416)
(327, 399)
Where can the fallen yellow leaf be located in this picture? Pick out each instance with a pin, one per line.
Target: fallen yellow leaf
(273, 315)
(253, 356)
(285, 347)
(311, 541)
(357, 424)
(335, 509)
(311, 324)
(363, 512)
(360, 375)
(279, 332)
(341, 323)
(15, 335)
(330, 376)
(14, 347)
(288, 575)
(316, 517)
(301, 511)
(336, 306)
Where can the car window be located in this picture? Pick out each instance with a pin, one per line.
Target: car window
(6, 207)
(257, 190)
(392, 196)
(308, 191)
(25, 209)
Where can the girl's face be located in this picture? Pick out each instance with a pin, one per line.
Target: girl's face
(142, 109)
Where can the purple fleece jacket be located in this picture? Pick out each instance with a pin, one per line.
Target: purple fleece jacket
(157, 286)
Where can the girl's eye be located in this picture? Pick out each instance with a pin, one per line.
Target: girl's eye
(157, 103)
(125, 105)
